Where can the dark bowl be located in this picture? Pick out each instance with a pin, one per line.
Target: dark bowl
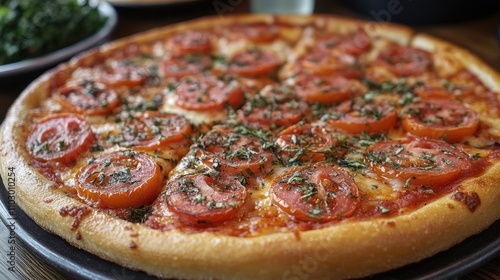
(419, 12)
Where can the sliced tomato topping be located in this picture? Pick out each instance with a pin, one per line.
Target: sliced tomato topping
(256, 32)
(443, 90)
(253, 62)
(239, 148)
(418, 161)
(354, 43)
(91, 98)
(190, 42)
(440, 119)
(326, 89)
(274, 107)
(316, 193)
(361, 115)
(155, 129)
(308, 142)
(202, 199)
(185, 65)
(61, 137)
(323, 62)
(405, 61)
(120, 179)
(124, 75)
(208, 93)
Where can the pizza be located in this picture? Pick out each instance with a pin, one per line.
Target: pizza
(261, 147)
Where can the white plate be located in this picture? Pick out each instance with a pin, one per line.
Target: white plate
(51, 59)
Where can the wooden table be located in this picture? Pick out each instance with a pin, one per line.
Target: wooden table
(477, 35)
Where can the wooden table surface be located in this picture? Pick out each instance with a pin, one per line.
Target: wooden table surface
(478, 35)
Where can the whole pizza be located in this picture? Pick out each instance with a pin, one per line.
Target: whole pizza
(261, 147)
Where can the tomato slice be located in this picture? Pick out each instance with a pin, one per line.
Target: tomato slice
(253, 62)
(120, 179)
(326, 89)
(442, 90)
(405, 61)
(274, 107)
(360, 115)
(440, 119)
(201, 199)
(418, 161)
(185, 65)
(354, 43)
(124, 75)
(61, 138)
(193, 41)
(89, 97)
(236, 148)
(316, 193)
(155, 129)
(256, 32)
(308, 143)
(208, 93)
(323, 62)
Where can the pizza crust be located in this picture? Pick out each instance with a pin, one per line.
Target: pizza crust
(471, 62)
(350, 249)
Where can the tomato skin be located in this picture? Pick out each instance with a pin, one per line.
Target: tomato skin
(253, 63)
(443, 91)
(190, 42)
(308, 143)
(121, 75)
(90, 97)
(202, 93)
(185, 65)
(440, 119)
(418, 161)
(200, 199)
(357, 116)
(256, 32)
(318, 193)
(354, 43)
(235, 149)
(61, 137)
(120, 179)
(405, 61)
(153, 129)
(322, 62)
(326, 89)
(273, 107)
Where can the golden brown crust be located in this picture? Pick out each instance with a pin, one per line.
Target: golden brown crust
(469, 61)
(346, 250)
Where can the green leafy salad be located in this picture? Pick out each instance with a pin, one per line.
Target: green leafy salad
(32, 28)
